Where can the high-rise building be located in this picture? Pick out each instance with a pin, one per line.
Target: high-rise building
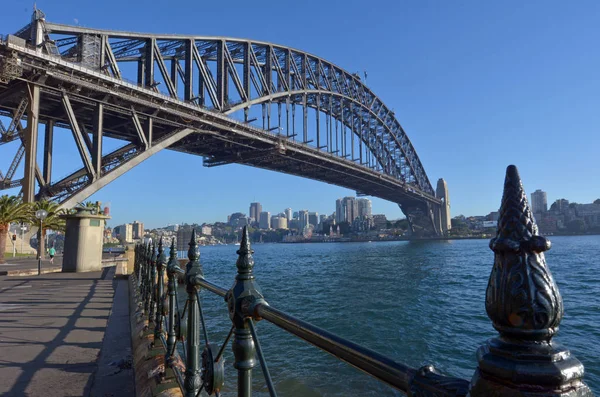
(322, 218)
(364, 208)
(313, 218)
(339, 211)
(288, 214)
(279, 222)
(255, 210)
(184, 235)
(302, 220)
(350, 210)
(264, 221)
(124, 233)
(137, 230)
(539, 202)
(443, 217)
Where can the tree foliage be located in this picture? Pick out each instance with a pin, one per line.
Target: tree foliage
(12, 209)
(53, 221)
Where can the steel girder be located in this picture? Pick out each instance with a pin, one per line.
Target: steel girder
(229, 75)
(207, 76)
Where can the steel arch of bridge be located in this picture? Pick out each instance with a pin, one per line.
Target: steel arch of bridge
(229, 75)
(301, 96)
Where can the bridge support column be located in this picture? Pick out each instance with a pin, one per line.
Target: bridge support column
(97, 139)
(31, 142)
(48, 148)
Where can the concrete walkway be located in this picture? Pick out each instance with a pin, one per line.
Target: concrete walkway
(52, 329)
(29, 266)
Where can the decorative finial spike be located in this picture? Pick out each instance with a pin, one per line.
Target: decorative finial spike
(160, 245)
(526, 308)
(172, 251)
(193, 254)
(522, 298)
(515, 222)
(245, 262)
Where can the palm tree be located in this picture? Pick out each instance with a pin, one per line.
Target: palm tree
(53, 221)
(12, 209)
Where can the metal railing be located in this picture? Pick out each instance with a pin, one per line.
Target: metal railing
(522, 301)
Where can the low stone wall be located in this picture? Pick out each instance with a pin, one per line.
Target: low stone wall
(151, 378)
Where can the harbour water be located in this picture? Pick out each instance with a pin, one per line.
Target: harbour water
(417, 302)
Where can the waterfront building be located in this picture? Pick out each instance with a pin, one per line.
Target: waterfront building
(279, 222)
(234, 219)
(137, 230)
(349, 209)
(441, 192)
(313, 218)
(255, 210)
(184, 235)
(379, 221)
(364, 208)
(206, 230)
(539, 202)
(322, 218)
(288, 214)
(124, 233)
(303, 220)
(264, 220)
(339, 211)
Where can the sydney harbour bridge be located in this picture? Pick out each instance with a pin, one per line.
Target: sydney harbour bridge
(228, 100)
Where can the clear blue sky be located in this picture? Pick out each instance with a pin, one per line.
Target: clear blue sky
(477, 85)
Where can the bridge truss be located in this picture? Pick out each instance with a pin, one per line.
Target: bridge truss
(228, 100)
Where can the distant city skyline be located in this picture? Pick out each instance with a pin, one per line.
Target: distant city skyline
(472, 95)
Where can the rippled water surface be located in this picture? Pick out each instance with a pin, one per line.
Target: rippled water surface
(417, 302)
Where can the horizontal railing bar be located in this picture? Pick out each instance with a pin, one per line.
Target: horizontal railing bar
(367, 360)
(215, 289)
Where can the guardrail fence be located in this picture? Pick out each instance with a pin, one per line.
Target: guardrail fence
(522, 300)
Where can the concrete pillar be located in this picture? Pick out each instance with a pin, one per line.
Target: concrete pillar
(441, 192)
(83, 241)
(48, 147)
(31, 142)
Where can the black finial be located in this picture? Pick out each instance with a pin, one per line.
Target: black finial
(193, 254)
(161, 258)
(522, 299)
(172, 252)
(245, 262)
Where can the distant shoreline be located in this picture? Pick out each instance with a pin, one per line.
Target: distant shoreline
(421, 239)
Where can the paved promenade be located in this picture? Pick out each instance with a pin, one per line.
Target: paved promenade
(60, 335)
(28, 266)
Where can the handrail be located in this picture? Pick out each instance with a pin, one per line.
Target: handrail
(366, 360)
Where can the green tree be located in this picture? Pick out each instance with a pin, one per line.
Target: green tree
(12, 209)
(576, 226)
(53, 221)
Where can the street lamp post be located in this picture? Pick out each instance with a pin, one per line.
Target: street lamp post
(41, 215)
(23, 228)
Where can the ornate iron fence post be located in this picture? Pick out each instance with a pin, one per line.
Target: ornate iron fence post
(146, 288)
(152, 284)
(525, 307)
(172, 270)
(242, 298)
(161, 263)
(192, 366)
